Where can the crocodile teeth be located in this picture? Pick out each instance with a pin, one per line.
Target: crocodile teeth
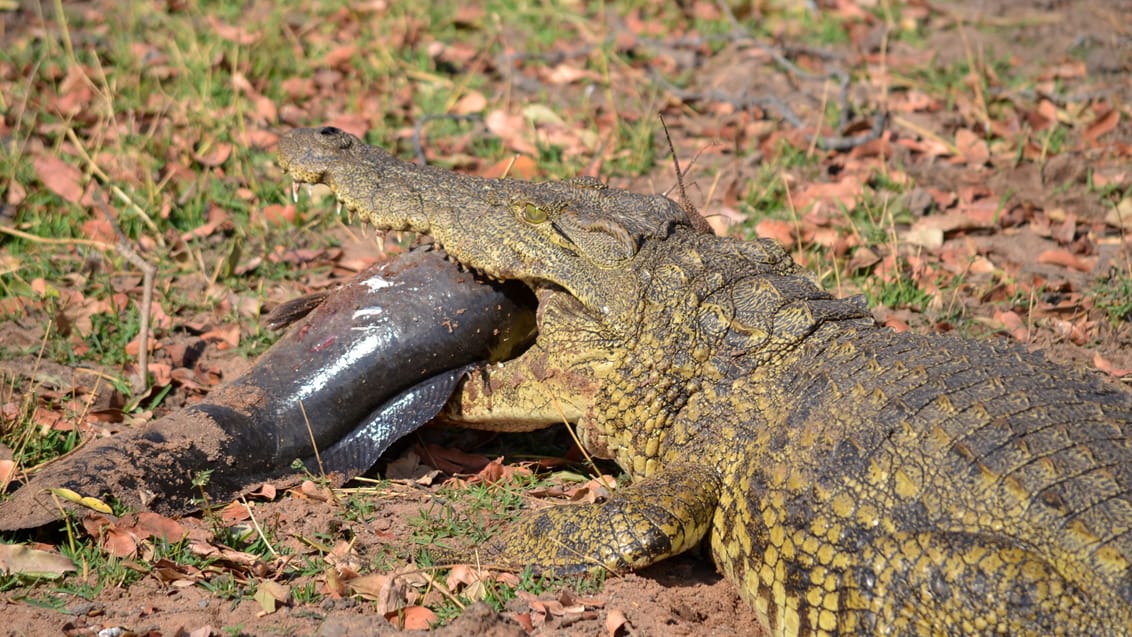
(339, 211)
(295, 192)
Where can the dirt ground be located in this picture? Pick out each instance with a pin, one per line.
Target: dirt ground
(1054, 230)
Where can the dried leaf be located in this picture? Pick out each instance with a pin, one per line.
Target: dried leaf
(616, 624)
(1065, 258)
(7, 473)
(1104, 123)
(234, 34)
(266, 601)
(21, 559)
(568, 74)
(473, 102)
(270, 595)
(925, 236)
(778, 229)
(1107, 367)
(213, 155)
(518, 167)
(413, 618)
(266, 491)
(280, 214)
(235, 512)
(972, 148)
(1013, 324)
(224, 337)
(178, 575)
(340, 56)
(513, 130)
(453, 461)
(148, 524)
(1120, 215)
(315, 492)
(60, 177)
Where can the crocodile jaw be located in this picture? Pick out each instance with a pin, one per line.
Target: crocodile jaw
(483, 224)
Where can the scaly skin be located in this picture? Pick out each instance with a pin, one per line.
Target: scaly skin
(850, 480)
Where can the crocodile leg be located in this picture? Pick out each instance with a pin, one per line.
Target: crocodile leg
(653, 519)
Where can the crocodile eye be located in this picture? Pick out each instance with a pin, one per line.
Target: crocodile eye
(534, 214)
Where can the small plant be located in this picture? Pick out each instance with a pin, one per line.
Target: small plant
(1114, 296)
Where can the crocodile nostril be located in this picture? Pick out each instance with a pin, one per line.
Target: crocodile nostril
(328, 131)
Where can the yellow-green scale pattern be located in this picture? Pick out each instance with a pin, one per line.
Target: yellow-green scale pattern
(850, 480)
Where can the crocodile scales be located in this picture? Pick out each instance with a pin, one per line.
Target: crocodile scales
(850, 480)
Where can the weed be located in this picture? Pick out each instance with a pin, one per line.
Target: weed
(1113, 294)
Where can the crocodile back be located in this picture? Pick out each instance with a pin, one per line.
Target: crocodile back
(975, 481)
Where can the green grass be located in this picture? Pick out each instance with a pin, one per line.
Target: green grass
(468, 515)
(467, 512)
(1113, 295)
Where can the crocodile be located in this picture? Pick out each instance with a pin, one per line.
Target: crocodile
(847, 478)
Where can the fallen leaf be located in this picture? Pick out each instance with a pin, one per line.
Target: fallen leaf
(524, 620)
(1104, 123)
(235, 512)
(473, 102)
(7, 473)
(1120, 215)
(924, 236)
(21, 559)
(863, 258)
(266, 601)
(335, 584)
(179, 575)
(16, 193)
(568, 74)
(896, 324)
(234, 34)
(265, 491)
(280, 214)
(340, 55)
(315, 492)
(517, 167)
(463, 577)
(269, 595)
(1013, 324)
(224, 337)
(513, 130)
(778, 229)
(213, 155)
(451, 460)
(595, 490)
(60, 177)
(414, 618)
(972, 148)
(616, 624)
(1107, 367)
(148, 524)
(1065, 258)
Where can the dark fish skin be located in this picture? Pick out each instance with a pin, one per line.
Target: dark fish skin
(392, 327)
(376, 359)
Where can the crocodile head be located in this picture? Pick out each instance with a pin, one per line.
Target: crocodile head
(576, 234)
